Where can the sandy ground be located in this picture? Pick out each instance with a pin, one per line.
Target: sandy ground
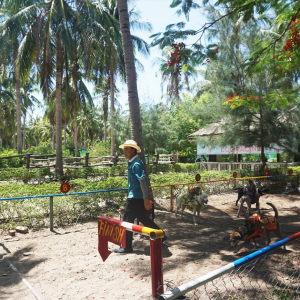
(65, 264)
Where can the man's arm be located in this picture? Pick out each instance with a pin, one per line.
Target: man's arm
(145, 192)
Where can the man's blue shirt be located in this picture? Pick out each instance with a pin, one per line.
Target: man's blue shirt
(136, 171)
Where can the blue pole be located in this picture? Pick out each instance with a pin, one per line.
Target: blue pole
(61, 195)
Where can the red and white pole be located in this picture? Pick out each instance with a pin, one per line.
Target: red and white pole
(109, 230)
(156, 267)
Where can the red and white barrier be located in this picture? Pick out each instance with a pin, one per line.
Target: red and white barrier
(112, 230)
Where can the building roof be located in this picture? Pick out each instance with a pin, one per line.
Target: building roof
(211, 129)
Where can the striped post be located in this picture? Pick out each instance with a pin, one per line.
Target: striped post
(189, 286)
(155, 251)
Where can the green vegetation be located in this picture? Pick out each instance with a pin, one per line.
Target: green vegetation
(69, 209)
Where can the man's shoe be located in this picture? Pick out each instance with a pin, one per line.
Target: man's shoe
(164, 238)
(123, 250)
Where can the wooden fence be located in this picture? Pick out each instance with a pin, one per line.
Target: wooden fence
(49, 160)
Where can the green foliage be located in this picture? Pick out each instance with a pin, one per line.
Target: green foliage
(67, 209)
(100, 148)
(171, 168)
(42, 148)
(285, 294)
(14, 162)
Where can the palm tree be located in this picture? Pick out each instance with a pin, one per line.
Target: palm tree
(28, 101)
(51, 28)
(133, 99)
(7, 106)
(9, 39)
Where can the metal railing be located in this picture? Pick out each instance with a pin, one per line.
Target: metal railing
(255, 276)
(234, 180)
(58, 195)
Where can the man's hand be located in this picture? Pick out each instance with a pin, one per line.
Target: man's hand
(147, 204)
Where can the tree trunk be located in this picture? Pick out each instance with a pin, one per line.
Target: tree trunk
(263, 157)
(75, 76)
(112, 113)
(59, 73)
(18, 100)
(75, 133)
(104, 133)
(65, 135)
(53, 137)
(24, 130)
(133, 99)
(84, 136)
(14, 141)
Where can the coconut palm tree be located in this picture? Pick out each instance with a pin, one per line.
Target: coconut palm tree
(7, 106)
(10, 36)
(50, 30)
(133, 98)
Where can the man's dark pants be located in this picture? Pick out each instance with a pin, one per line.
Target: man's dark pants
(135, 209)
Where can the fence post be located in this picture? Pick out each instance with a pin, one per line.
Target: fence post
(174, 157)
(114, 159)
(87, 159)
(156, 267)
(51, 213)
(157, 158)
(27, 161)
(171, 199)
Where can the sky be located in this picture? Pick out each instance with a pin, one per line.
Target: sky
(159, 14)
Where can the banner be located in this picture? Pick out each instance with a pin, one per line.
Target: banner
(205, 150)
(109, 232)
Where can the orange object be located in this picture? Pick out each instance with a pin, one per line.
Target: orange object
(149, 212)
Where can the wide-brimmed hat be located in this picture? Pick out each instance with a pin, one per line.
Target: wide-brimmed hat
(131, 143)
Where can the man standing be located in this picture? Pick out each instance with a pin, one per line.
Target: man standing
(138, 201)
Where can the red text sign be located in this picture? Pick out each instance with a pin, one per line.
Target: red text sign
(267, 173)
(290, 171)
(65, 187)
(198, 177)
(109, 232)
(234, 174)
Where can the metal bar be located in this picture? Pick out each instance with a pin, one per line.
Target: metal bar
(51, 213)
(61, 195)
(187, 183)
(36, 295)
(153, 233)
(189, 286)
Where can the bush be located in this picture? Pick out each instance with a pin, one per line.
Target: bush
(34, 212)
(14, 162)
(42, 148)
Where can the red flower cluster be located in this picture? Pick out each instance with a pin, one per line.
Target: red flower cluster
(233, 98)
(293, 41)
(176, 54)
(252, 98)
(236, 97)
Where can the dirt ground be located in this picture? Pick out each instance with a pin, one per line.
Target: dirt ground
(65, 264)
